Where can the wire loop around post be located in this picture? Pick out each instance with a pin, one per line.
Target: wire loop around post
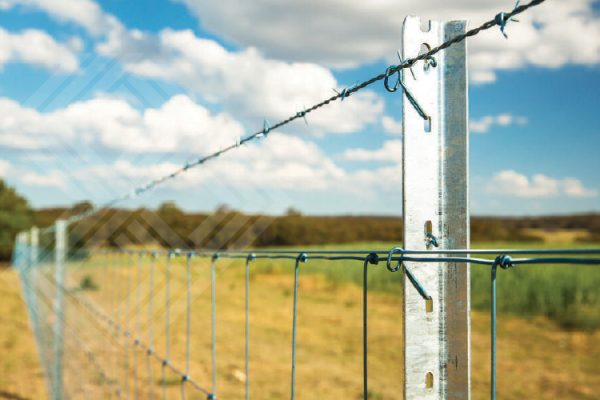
(395, 268)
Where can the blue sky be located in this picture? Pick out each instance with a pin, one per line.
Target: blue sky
(97, 97)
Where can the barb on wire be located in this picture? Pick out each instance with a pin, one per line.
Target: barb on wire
(500, 19)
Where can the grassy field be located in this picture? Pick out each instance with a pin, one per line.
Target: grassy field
(538, 357)
(21, 376)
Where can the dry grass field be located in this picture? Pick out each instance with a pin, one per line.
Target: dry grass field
(536, 358)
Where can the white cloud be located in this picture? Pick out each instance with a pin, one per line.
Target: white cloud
(511, 183)
(354, 32)
(254, 86)
(85, 13)
(36, 47)
(574, 188)
(52, 179)
(390, 151)
(179, 125)
(391, 126)
(279, 162)
(4, 168)
(484, 124)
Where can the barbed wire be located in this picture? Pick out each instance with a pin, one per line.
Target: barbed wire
(499, 20)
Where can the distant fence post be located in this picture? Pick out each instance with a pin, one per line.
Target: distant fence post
(60, 246)
(436, 214)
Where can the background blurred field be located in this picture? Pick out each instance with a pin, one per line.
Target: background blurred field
(548, 328)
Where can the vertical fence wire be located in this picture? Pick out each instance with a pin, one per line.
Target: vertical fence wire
(213, 320)
(167, 323)
(118, 302)
(247, 326)
(188, 304)
(138, 301)
(301, 258)
(149, 327)
(127, 330)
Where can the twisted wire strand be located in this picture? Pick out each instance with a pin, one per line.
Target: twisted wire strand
(499, 19)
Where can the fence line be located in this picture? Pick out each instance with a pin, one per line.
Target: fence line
(395, 259)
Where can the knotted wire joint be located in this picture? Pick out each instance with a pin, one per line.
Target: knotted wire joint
(216, 256)
(251, 257)
(302, 257)
(503, 261)
(502, 18)
(211, 396)
(372, 259)
(185, 378)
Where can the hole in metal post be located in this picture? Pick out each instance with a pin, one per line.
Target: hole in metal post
(425, 25)
(428, 306)
(427, 124)
(429, 380)
(428, 228)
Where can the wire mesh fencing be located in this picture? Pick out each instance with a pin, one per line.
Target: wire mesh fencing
(182, 323)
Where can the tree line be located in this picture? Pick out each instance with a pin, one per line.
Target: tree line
(169, 226)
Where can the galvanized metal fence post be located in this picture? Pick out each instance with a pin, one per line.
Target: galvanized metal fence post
(60, 247)
(436, 213)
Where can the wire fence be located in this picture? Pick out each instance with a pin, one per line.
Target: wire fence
(146, 324)
(119, 302)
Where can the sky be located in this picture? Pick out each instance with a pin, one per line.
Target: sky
(98, 97)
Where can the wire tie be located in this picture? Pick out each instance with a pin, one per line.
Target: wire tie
(373, 258)
(503, 261)
(165, 362)
(431, 240)
(185, 378)
(251, 257)
(211, 396)
(216, 256)
(416, 284)
(502, 19)
(395, 250)
(302, 257)
(430, 62)
(391, 70)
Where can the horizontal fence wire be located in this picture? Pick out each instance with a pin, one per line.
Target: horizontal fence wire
(499, 20)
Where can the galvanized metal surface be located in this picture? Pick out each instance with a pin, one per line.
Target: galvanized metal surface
(59, 309)
(435, 203)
